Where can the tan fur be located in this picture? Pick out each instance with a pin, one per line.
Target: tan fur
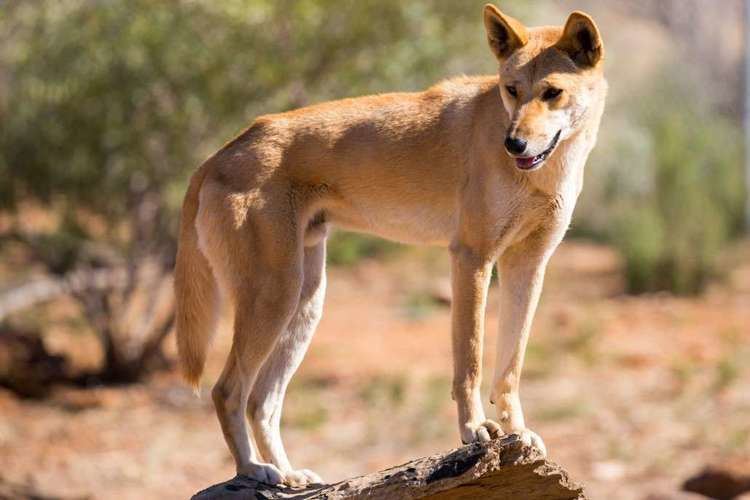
(426, 167)
(195, 290)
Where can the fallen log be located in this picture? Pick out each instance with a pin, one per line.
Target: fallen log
(45, 288)
(504, 468)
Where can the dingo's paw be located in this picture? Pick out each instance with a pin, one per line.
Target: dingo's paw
(301, 478)
(531, 438)
(482, 432)
(264, 473)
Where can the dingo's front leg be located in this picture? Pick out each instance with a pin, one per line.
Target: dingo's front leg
(470, 278)
(521, 273)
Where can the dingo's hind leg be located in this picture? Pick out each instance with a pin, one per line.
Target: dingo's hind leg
(267, 398)
(228, 400)
(259, 265)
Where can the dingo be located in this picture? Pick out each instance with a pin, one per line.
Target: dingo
(489, 167)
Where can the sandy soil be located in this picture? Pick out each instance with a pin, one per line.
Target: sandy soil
(632, 395)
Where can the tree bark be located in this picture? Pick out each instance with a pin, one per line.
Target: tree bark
(504, 468)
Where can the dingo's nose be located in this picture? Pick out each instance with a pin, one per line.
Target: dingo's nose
(514, 145)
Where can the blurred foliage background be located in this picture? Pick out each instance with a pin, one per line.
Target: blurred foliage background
(108, 106)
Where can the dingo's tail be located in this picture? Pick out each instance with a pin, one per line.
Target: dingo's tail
(196, 293)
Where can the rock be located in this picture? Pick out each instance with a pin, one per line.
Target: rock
(725, 480)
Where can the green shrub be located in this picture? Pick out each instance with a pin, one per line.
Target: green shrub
(345, 248)
(670, 236)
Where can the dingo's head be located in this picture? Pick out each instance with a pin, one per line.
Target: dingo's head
(549, 78)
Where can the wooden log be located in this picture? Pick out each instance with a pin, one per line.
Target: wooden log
(45, 288)
(504, 468)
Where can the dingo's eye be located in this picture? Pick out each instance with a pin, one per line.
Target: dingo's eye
(512, 90)
(551, 93)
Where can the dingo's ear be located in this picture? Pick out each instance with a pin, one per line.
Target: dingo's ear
(505, 34)
(581, 40)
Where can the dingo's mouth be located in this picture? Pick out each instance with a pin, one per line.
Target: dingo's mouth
(530, 162)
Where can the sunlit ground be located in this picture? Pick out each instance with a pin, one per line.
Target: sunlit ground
(631, 394)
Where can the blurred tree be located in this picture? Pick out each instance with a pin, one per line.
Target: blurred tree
(672, 228)
(709, 36)
(107, 106)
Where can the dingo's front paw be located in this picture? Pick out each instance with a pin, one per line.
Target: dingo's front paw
(301, 478)
(482, 432)
(531, 438)
(264, 473)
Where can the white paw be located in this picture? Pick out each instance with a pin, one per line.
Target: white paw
(264, 473)
(531, 438)
(482, 432)
(301, 478)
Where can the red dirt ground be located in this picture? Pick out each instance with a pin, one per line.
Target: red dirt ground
(631, 394)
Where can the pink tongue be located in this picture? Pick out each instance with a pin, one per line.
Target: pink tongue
(525, 162)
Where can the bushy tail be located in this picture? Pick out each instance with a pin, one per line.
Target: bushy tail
(195, 290)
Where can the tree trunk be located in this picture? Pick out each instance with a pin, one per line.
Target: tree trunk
(130, 309)
(501, 469)
(132, 322)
